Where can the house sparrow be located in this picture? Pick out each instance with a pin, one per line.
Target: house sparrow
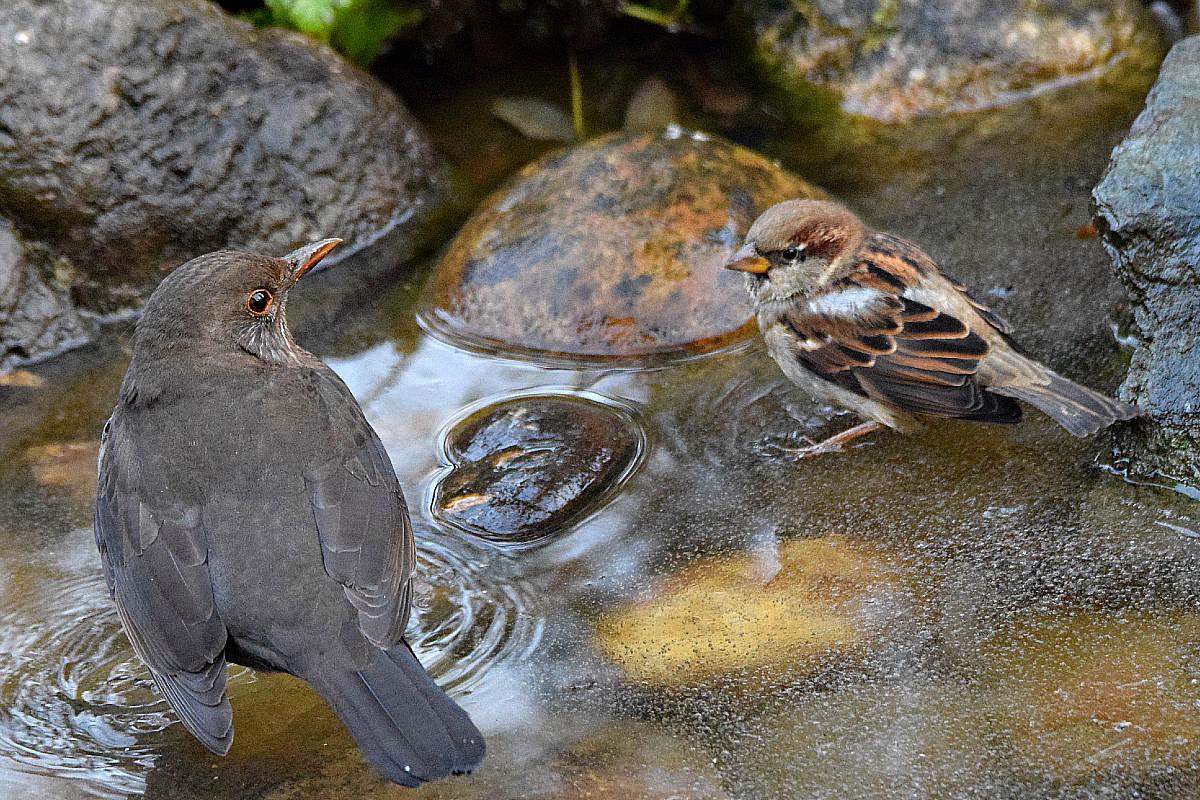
(247, 512)
(865, 320)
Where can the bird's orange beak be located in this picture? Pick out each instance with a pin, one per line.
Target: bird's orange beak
(307, 257)
(748, 260)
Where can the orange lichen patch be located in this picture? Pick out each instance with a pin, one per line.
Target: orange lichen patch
(736, 614)
(613, 248)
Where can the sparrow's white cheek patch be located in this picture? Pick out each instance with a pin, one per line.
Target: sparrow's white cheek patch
(847, 304)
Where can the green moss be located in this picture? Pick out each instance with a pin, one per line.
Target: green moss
(883, 25)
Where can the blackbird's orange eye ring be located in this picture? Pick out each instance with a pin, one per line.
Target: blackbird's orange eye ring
(259, 301)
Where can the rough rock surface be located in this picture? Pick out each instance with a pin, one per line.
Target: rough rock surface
(897, 59)
(135, 134)
(36, 318)
(527, 467)
(614, 248)
(1148, 211)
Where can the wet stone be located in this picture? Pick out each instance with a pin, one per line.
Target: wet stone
(614, 248)
(626, 759)
(36, 317)
(137, 134)
(895, 60)
(525, 468)
(1148, 211)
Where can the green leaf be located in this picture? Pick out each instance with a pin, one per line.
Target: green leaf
(355, 28)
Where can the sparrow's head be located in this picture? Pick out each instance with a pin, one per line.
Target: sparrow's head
(796, 246)
(226, 301)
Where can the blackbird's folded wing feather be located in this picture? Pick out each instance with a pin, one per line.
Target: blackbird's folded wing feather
(361, 518)
(868, 335)
(156, 566)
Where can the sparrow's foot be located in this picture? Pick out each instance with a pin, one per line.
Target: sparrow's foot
(834, 444)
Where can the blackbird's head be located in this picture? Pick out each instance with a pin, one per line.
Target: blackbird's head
(794, 247)
(227, 301)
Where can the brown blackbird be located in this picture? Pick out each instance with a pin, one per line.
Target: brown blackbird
(247, 512)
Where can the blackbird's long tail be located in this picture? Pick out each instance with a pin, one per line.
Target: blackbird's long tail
(1077, 408)
(408, 729)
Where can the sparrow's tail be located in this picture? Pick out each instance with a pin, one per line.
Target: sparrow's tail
(1077, 408)
(408, 729)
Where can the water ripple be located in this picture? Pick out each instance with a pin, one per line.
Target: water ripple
(470, 612)
(76, 703)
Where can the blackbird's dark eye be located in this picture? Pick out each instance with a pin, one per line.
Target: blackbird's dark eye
(259, 301)
(794, 253)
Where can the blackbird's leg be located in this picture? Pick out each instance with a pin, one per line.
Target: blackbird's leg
(833, 444)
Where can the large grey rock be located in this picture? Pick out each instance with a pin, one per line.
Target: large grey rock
(135, 134)
(36, 318)
(1148, 210)
(897, 59)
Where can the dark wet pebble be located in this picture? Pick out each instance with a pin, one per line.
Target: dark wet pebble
(611, 249)
(528, 467)
(1148, 212)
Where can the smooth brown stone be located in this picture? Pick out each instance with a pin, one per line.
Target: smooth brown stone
(613, 248)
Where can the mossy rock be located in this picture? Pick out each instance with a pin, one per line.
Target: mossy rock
(894, 60)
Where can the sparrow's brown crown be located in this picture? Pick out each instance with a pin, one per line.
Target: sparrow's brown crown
(806, 229)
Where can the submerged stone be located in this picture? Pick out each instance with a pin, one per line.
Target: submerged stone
(625, 760)
(1086, 692)
(612, 248)
(1148, 212)
(897, 59)
(769, 617)
(527, 467)
(66, 465)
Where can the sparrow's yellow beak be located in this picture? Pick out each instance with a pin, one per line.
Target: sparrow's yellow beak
(748, 260)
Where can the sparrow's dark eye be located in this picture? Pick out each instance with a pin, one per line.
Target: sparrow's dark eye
(794, 253)
(259, 301)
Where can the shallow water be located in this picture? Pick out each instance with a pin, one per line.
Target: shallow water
(1013, 619)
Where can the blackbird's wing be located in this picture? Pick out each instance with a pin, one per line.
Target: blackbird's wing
(155, 562)
(869, 334)
(361, 518)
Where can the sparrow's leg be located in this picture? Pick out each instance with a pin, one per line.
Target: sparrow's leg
(834, 443)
